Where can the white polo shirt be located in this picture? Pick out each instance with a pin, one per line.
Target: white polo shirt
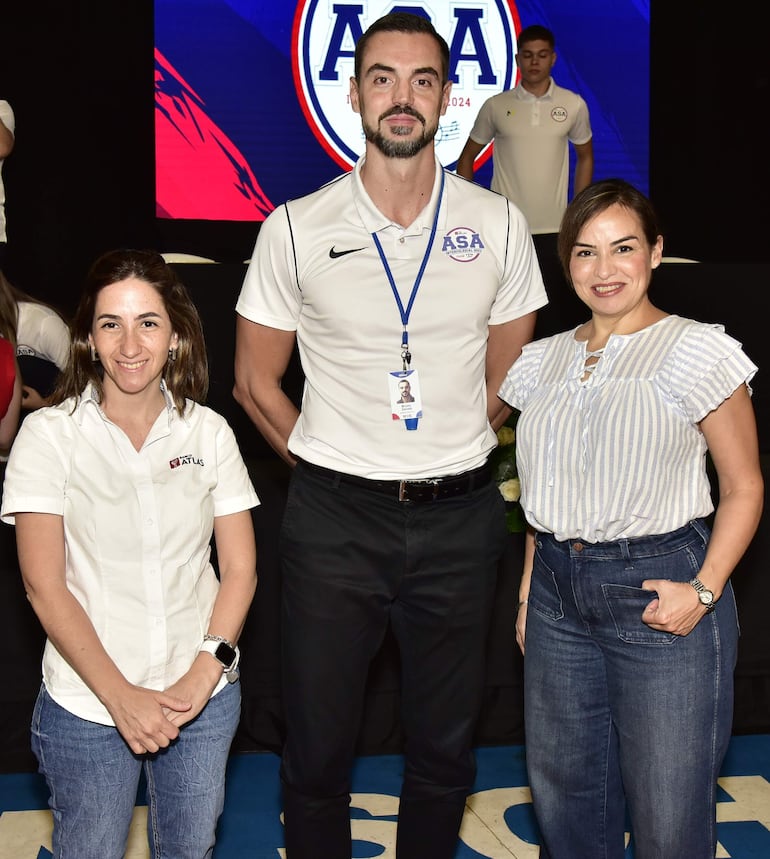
(316, 270)
(6, 115)
(42, 333)
(531, 152)
(137, 527)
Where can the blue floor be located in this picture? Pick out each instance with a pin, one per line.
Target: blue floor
(251, 827)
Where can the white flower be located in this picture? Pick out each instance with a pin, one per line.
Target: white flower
(510, 489)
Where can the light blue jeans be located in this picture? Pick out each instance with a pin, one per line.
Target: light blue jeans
(620, 717)
(93, 777)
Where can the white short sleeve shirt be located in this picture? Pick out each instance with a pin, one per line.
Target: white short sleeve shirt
(42, 333)
(137, 527)
(316, 270)
(620, 454)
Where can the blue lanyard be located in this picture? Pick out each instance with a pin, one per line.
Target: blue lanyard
(406, 356)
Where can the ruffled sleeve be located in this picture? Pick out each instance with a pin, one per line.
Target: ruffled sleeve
(522, 378)
(707, 367)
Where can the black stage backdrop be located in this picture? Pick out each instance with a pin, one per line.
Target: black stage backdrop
(81, 181)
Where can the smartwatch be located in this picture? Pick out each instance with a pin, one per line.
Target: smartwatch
(224, 652)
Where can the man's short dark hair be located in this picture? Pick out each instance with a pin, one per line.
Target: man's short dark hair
(402, 22)
(535, 33)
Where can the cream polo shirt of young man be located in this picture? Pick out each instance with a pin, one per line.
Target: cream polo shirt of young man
(531, 158)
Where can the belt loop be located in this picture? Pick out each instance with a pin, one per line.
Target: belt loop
(625, 551)
(700, 527)
(477, 472)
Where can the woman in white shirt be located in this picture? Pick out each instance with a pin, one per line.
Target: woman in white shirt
(41, 336)
(626, 607)
(115, 492)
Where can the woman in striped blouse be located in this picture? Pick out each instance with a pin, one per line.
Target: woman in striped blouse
(626, 607)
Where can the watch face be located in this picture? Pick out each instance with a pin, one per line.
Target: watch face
(225, 654)
(706, 597)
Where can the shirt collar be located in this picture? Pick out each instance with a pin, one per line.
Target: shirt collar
(524, 95)
(90, 399)
(373, 219)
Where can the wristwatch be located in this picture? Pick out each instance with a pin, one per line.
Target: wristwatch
(224, 652)
(704, 594)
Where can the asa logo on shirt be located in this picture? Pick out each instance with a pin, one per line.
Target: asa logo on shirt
(462, 244)
(187, 459)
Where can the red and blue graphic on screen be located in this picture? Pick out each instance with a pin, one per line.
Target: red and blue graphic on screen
(236, 134)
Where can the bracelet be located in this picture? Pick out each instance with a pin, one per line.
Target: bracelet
(221, 638)
(520, 604)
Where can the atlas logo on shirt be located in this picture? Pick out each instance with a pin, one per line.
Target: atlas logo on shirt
(187, 459)
(482, 47)
(462, 244)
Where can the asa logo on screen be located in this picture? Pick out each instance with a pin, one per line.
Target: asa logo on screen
(482, 48)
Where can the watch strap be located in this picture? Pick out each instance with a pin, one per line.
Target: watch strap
(705, 595)
(225, 652)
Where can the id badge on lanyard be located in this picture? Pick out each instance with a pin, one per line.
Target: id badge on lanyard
(404, 384)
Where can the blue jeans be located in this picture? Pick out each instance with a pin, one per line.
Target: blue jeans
(353, 561)
(93, 777)
(619, 716)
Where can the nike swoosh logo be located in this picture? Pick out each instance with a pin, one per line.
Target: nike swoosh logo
(335, 254)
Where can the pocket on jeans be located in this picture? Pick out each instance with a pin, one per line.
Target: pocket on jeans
(544, 596)
(625, 605)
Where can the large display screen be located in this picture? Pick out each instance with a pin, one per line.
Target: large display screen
(252, 96)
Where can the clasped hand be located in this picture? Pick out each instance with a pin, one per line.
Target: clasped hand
(150, 719)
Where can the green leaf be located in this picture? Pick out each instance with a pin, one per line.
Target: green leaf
(514, 518)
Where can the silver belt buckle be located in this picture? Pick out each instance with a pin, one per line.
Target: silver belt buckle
(403, 488)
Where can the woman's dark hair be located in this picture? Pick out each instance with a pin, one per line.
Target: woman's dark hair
(187, 377)
(595, 199)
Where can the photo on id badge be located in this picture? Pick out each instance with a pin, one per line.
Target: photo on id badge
(405, 397)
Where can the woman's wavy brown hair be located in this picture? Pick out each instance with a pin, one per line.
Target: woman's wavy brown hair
(187, 377)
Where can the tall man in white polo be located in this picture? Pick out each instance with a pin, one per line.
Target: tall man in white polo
(397, 269)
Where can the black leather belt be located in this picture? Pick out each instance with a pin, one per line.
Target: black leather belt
(418, 491)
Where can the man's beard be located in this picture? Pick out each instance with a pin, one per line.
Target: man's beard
(393, 147)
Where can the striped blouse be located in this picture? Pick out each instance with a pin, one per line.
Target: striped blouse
(620, 454)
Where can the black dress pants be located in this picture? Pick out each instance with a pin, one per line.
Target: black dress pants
(353, 561)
